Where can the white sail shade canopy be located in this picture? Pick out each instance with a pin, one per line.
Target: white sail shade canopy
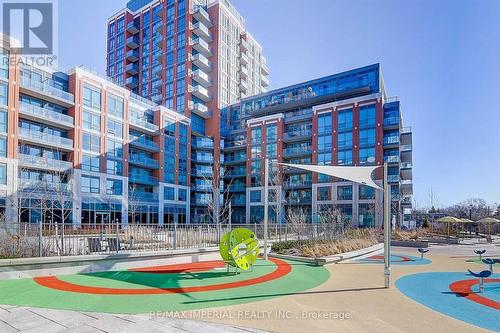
(358, 174)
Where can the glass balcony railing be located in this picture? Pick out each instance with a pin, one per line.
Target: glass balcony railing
(390, 121)
(198, 172)
(298, 183)
(393, 178)
(45, 162)
(299, 201)
(391, 159)
(202, 187)
(297, 151)
(391, 140)
(144, 160)
(143, 123)
(298, 134)
(240, 158)
(204, 143)
(238, 202)
(143, 179)
(142, 196)
(406, 165)
(45, 138)
(47, 89)
(202, 158)
(143, 142)
(44, 113)
(237, 187)
(43, 186)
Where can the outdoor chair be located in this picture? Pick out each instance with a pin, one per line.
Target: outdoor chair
(480, 253)
(490, 262)
(422, 252)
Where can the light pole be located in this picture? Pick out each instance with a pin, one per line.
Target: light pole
(387, 230)
(266, 203)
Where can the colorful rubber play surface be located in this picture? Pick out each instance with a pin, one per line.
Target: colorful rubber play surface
(456, 295)
(396, 259)
(163, 288)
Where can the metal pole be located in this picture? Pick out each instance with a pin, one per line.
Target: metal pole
(387, 230)
(266, 204)
(40, 238)
(230, 213)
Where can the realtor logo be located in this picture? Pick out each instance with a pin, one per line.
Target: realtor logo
(30, 25)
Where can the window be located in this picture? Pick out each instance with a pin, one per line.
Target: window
(115, 148)
(169, 193)
(344, 192)
(115, 106)
(325, 123)
(3, 173)
(3, 146)
(256, 135)
(271, 133)
(114, 187)
(3, 122)
(90, 184)
(4, 94)
(91, 121)
(325, 142)
(344, 157)
(255, 196)
(256, 151)
(115, 128)
(325, 158)
(90, 163)
(91, 97)
(114, 167)
(345, 120)
(344, 140)
(367, 137)
(182, 194)
(366, 192)
(91, 143)
(4, 63)
(324, 193)
(367, 116)
(366, 155)
(271, 150)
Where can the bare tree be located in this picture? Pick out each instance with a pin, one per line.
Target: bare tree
(134, 201)
(474, 208)
(296, 218)
(276, 180)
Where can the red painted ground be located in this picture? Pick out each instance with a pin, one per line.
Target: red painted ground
(282, 269)
(380, 257)
(182, 268)
(464, 289)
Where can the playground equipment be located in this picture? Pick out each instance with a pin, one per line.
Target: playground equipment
(481, 275)
(490, 262)
(239, 248)
(480, 253)
(422, 252)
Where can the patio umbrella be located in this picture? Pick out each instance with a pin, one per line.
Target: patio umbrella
(465, 221)
(449, 220)
(489, 221)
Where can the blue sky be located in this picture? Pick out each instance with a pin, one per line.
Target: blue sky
(441, 58)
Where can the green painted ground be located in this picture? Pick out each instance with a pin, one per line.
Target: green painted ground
(477, 261)
(25, 292)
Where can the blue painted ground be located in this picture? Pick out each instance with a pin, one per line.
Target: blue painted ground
(432, 290)
(396, 259)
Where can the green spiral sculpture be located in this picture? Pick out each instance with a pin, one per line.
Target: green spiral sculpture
(240, 248)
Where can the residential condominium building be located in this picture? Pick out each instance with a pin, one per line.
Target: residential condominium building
(76, 147)
(343, 119)
(191, 56)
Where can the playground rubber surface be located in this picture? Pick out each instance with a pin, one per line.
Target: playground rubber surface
(396, 259)
(163, 288)
(456, 295)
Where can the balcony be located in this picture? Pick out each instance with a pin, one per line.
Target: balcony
(405, 165)
(235, 144)
(45, 163)
(297, 136)
(201, 15)
(391, 140)
(202, 158)
(132, 55)
(297, 152)
(158, 41)
(391, 121)
(264, 81)
(143, 143)
(244, 45)
(244, 59)
(200, 92)
(406, 187)
(202, 187)
(201, 46)
(142, 124)
(243, 86)
(201, 173)
(132, 28)
(158, 70)
(391, 159)
(200, 109)
(406, 202)
(143, 179)
(201, 31)
(132, 82)
(45, 139)
(44, 186)
(263, 69)
(47, 92)
(393, 178)
(298, 116)
(45, 115)
(243, 72)
(237, 173)
(299, 201)
(144, 161)
(406, 148)
(133, 42)
(238, 187)
(297, 184)
(235, 159)
(239, 202)
(143, 196)
(201, 62)
(202, 78)
(202, 143)
(132, 68)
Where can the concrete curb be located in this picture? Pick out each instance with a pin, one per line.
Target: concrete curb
(99, 257)
(331, 259)
(415, 244)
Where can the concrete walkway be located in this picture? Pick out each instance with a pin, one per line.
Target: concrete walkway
(23, 319)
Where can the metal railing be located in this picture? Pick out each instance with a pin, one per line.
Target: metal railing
(47, 89)
(58, 239)
(42, 137)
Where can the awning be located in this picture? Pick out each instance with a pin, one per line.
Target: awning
(358, 174)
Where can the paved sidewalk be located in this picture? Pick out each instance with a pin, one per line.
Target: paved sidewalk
(23, 319)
